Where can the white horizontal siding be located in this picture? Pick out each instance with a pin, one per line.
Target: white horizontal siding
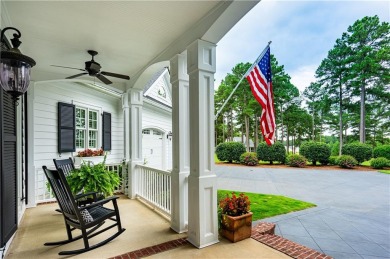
(45, 119)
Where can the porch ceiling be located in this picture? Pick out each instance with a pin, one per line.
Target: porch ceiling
(129, 35)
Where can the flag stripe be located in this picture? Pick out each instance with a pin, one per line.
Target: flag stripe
(260, 80)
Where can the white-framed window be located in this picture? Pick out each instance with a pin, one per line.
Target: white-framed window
(87, 128)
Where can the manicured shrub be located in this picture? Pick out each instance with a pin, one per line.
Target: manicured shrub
(296, 160)
(249, 158)
(333, 160)
(361, 152)
(380, 162)
(273, 153)
(230, 151)
(315, 152)
(347, 161)
(382, 151)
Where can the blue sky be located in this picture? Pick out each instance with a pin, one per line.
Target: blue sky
(302, 33)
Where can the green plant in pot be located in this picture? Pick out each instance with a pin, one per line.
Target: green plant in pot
(93, 178)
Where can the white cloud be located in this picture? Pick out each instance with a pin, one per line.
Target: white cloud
(303, 76)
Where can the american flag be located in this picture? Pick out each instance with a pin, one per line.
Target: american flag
(260, 80)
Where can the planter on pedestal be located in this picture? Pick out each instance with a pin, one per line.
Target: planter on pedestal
(236, 228)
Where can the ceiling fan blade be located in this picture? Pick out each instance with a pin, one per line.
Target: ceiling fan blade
(70, 77)
(103, 79)
(115, 75)
(68, 67)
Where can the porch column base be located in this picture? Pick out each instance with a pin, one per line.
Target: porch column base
(179, 195)
(202, 211)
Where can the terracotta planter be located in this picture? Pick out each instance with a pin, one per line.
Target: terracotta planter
(236, 228)
(94, 159)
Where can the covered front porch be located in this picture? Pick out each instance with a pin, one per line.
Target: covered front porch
(138, 39)
(144, 228)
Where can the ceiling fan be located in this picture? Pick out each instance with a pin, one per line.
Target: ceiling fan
(92, 68)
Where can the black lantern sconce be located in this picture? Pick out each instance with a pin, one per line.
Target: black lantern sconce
(15, 68)
(169, 135)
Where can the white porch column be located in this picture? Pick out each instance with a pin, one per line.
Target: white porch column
(202, 189)
(126, 117)
(180, 142)
(135, 99)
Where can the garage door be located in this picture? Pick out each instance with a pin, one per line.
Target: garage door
(152, 147)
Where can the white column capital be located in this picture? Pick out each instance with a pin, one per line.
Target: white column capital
(179, 68)
(201, 56)
(135, 96)
(125, 101)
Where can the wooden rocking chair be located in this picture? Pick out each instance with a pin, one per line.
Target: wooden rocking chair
(87, 219)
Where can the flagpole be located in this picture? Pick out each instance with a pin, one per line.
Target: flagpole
(239, 82)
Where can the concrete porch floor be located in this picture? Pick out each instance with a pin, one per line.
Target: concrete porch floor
(144, 228)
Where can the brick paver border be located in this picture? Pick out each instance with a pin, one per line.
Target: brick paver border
(152, 250)
(265, 233)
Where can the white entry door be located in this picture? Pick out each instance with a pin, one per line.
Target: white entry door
(152, 148)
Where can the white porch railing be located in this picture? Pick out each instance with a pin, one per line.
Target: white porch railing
(42, 193)
(153, 186)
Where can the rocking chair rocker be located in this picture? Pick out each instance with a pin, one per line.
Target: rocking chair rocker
(87, 219)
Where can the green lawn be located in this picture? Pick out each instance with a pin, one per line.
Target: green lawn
(384, 171)
(266, 205)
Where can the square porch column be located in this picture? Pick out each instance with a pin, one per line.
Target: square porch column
(134, 136)
(202, 182)
(180, 143)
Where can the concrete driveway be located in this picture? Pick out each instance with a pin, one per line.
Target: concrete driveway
(352, 217)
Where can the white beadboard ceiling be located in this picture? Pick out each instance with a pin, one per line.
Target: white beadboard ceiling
(129, 35)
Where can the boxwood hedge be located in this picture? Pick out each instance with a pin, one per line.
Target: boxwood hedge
(274, 153)
(315, 152)
(361, 152)
(230, 151)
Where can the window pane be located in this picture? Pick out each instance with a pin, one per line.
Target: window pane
(80, 118)
(80, 138)
(92, 120)
(92, 141)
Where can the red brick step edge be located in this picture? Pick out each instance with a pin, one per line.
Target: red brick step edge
(265, 233)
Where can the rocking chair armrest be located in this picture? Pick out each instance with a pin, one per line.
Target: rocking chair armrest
(101, 202)
(82, 195)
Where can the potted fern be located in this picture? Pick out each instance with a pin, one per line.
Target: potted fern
(235, 217)
(93, 178)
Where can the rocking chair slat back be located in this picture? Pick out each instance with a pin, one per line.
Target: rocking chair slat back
(66, 165)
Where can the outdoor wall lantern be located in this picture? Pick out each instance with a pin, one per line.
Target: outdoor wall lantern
(15, 68)
(169, 135)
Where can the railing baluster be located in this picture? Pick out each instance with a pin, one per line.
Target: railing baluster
(154, 187)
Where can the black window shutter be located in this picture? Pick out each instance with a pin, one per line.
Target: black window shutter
(66, 128)
(106, 131)
(8, 176)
